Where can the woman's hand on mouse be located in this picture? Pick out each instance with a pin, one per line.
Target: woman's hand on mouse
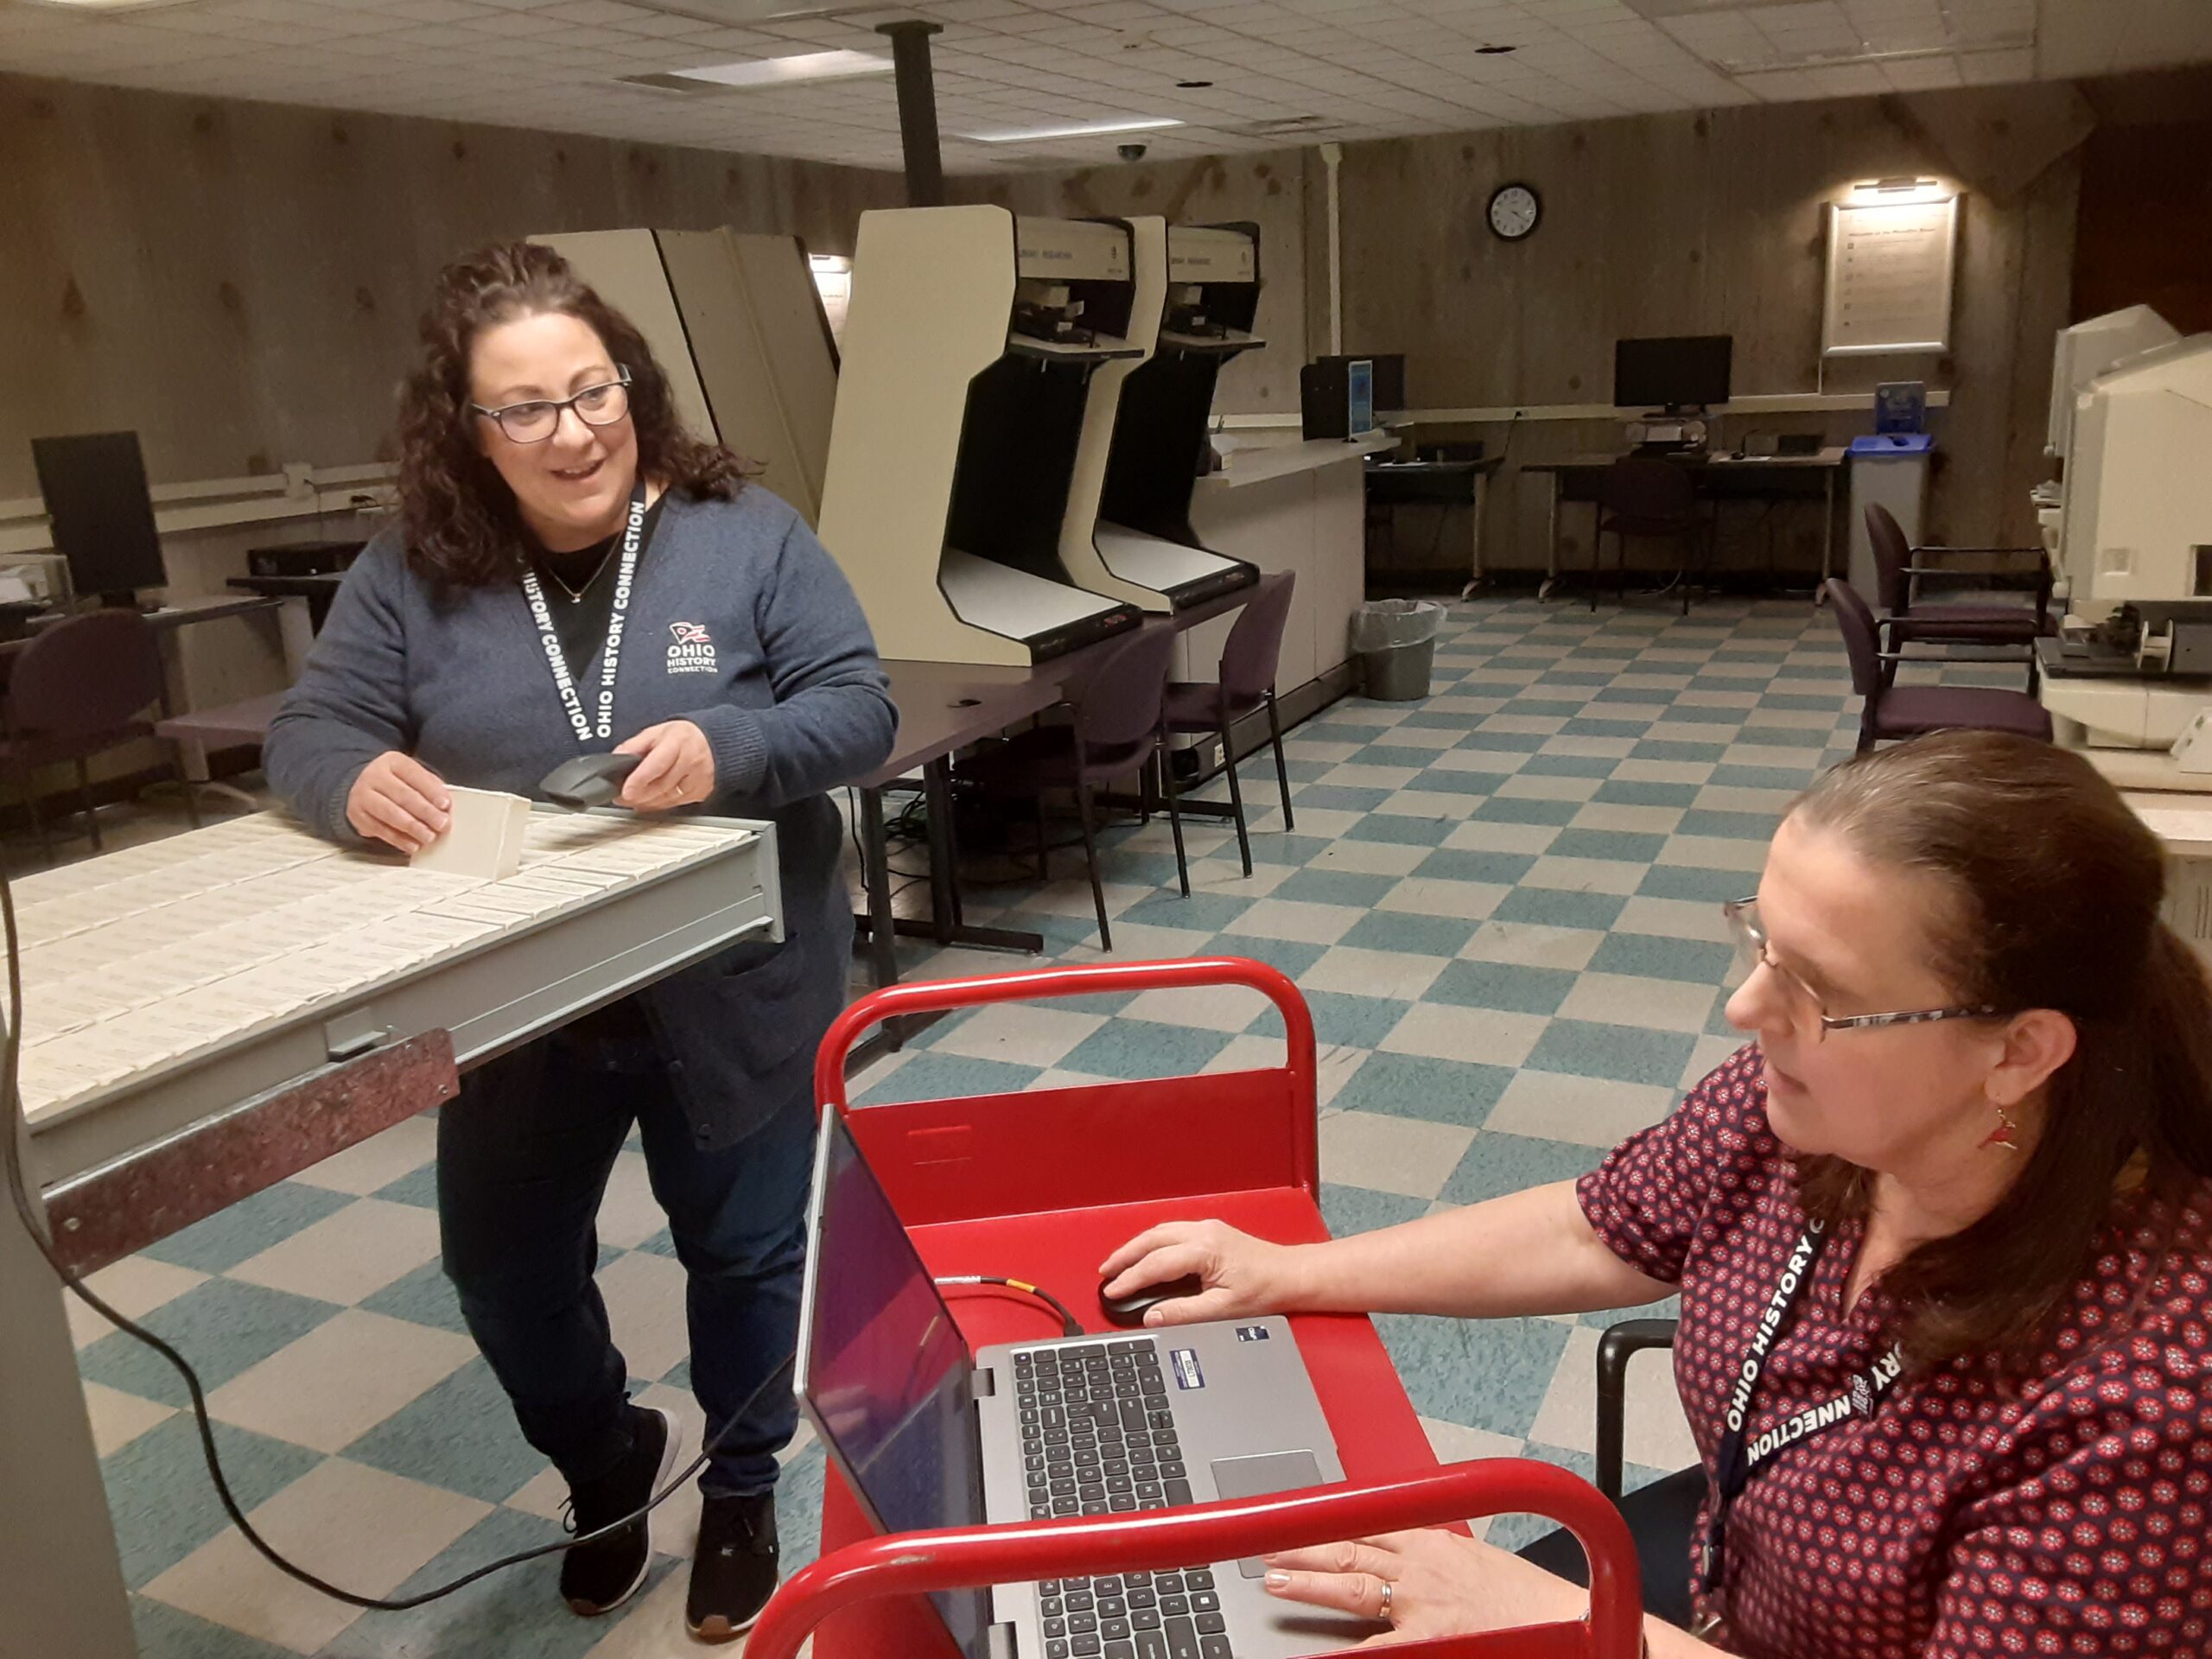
(678, 770)
(1242, 1274)
(399, 801)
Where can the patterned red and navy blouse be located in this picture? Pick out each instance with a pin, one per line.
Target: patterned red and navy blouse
(2066, 1513)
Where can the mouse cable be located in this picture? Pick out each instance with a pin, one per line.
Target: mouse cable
(14, 1129)
(1070, 1327)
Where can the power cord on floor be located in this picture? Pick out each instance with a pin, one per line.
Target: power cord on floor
(11, 1139)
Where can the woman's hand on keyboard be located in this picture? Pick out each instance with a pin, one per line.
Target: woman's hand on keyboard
(1242, 1274)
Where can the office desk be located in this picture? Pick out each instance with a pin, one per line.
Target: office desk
(318, 590)
(292, 621)
(1718, 477)
(1441, 484)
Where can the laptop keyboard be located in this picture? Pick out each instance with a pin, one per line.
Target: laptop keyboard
(1099, 1438)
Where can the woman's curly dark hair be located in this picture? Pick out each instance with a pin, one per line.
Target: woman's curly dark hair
(460, 518)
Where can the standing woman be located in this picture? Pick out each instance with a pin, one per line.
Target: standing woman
(571, 574)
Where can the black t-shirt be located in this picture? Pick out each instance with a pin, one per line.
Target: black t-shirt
(589, 573)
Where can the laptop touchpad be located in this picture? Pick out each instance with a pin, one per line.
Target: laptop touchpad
(1271, 1472)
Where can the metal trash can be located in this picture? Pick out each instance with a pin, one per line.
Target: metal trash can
(1395, 642)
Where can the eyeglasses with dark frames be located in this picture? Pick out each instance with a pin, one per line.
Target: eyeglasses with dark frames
(540, 418)
(1752, 951)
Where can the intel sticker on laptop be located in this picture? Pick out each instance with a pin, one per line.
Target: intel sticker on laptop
(1188, 1374)
(1251, 1333)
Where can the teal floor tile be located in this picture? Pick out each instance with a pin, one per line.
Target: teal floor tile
(1506, 742)
(1287, 956)
(1655, 748)
(931, 1076)
(1420, 936)
(1568, 765)
(1616, 844)
(1504, 985)
(1624, 1053)
(1202, 912)
(1487, 1373)
(1550, 908)
(1690, 961)
(422, 1297)
(1350, 1021)
(1140, 1048)
(1335, 887)
(167, 1632)
(1411, 1085)
(418, 1187)
(1412, 832)
(161, 1502)
(1743, 826)
(1340, 797)
(520, 1610)
(460, 1435)
(248, 1227)
(222, 1327)
(1686, 881)
(1513, 808)
(1348, 1209)
(1496, 1164)
(1517, 1532)
(1633, 793)
(1455, 864)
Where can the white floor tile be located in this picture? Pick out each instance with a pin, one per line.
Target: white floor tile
(1019, 1033)
(1589, 1111)
(1489, 835)
(119, 1418)
(1533, 946)
(356, 1526)
(340, 1380)
(1714, 853)
(629, 1214)
(376, 1163)
(1369, 858)
(1409, 1156)
(1584, 875)
(1356, 972)
(1205, 1008)
(1298, 921)
(134, 1287)
(644, 1304)
(1635, 999)
(1631, 820)
(1477, 1036)
(1430, 895)
(1655, 1432)
(352, 1252)
(1675, 918)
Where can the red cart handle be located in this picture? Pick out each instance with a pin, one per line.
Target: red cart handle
(938, 995)
(914, 1563)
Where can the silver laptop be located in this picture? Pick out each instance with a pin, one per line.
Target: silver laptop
(927, 1435)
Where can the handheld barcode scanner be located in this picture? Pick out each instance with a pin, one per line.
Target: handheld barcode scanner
(588, 780)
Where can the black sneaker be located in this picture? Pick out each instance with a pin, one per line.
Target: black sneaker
(597, 1577)
(734, 1570)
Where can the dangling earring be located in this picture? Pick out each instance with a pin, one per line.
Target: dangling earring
(2005, 1134)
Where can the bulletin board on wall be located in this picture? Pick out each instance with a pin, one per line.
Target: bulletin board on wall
(1891, 266)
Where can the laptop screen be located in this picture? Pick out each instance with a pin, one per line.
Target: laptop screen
(884, 1371)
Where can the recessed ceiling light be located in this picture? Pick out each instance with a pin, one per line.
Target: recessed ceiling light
(1495, 51)
(109, 5)
(1085, 130)
(783, 72)
(1193, 86)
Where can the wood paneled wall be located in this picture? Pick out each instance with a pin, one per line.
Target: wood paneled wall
(240, 282)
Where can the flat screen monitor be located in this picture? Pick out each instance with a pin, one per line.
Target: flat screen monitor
(1677, 371)
(1359, 382)
(1389, 375)
(102, 512)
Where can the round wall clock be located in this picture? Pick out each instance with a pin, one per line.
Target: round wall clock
(1514, 210)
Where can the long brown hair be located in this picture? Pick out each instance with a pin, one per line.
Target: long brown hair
(2055, 889)
(462, 523)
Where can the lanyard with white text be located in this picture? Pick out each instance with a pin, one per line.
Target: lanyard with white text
(610, 661)
(1736, 1459)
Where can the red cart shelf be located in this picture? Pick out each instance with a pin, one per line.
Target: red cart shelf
(1043, 1187)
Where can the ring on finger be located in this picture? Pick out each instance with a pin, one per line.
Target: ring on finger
(1389, 1595)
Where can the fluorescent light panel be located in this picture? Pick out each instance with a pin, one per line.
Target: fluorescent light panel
(1085, 129)
(784, 71)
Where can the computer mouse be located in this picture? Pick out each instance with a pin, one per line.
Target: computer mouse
(588, 780)
(1130, 1308)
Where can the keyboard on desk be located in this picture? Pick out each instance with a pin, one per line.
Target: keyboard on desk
(1099, 1438)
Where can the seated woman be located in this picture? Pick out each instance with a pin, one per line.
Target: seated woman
(1943, 1238)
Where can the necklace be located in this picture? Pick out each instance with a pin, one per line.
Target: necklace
(577, 595)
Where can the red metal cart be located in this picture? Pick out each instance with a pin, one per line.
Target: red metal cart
(967, 1179)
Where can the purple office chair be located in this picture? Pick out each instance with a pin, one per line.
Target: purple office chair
(80, 688)
(1642, 496)
(1894, 711)
(1247, 682)
(1116, 730)
(1896, 566)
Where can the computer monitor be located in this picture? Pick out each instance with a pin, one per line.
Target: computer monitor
(1390, 369)
(1674, 373)
(102, 513)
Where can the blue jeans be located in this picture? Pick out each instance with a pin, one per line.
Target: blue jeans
(523, 1157)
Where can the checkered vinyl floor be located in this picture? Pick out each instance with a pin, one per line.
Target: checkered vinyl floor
(1502, 904)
